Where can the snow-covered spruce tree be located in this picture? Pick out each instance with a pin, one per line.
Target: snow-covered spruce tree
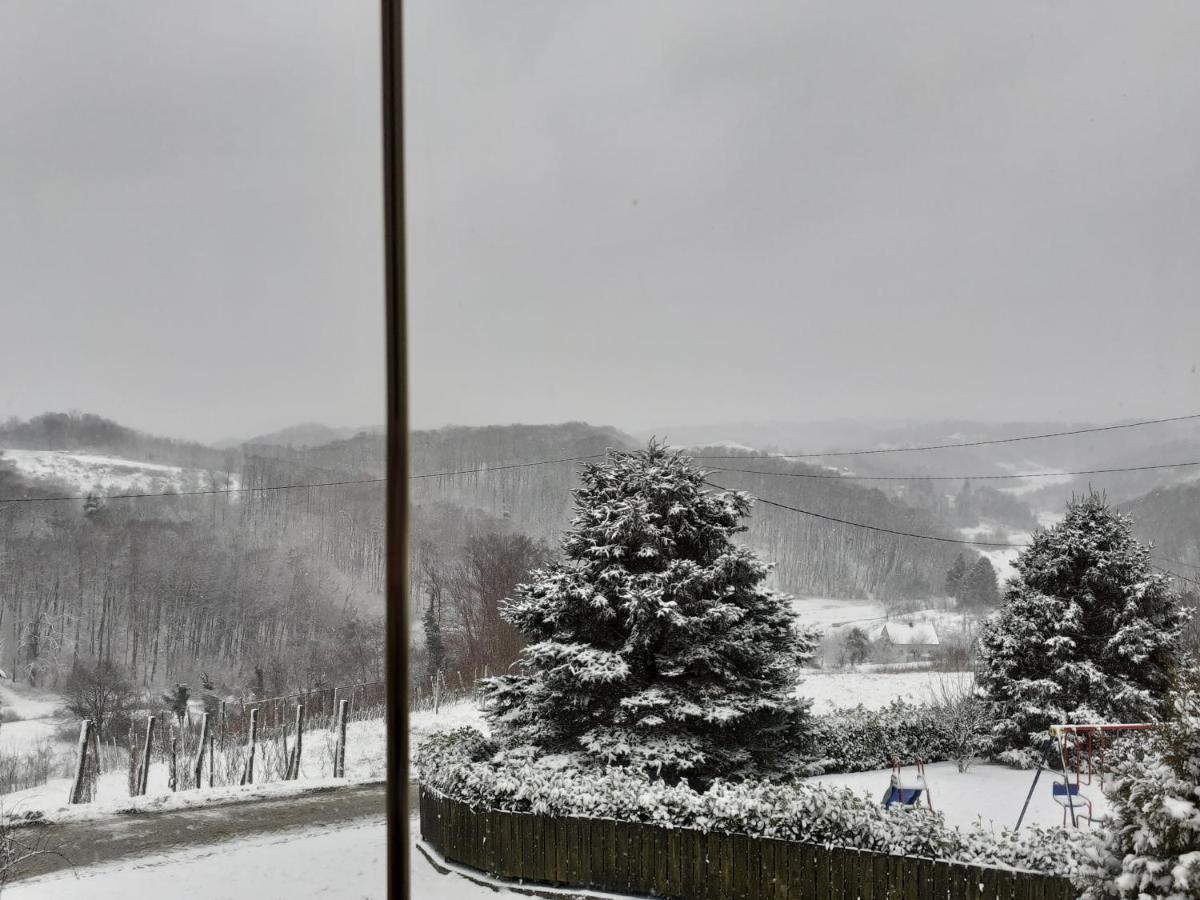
(1150, 846)
(654, 643)
(1086, 632)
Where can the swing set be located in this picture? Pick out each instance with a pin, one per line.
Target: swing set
(907, 790)
(1080, 751)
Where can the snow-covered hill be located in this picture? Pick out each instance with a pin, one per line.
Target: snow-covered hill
(107, 475)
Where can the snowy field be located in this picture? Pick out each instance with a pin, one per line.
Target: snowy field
(365, 762)
(28, 717)
(111, 474)
(874, 690)
(991, 793)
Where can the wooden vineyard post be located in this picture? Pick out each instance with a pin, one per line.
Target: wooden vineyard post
(198, 768)
(81, 789)
(339, 754)
(173, 759)
(293, 767)
(248, 773)
(212, 760)
(144, 769)
(221, 723)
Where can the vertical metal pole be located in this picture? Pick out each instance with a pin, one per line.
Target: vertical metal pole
(395, 283)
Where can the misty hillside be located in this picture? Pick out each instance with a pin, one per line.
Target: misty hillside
(290, 582)
(1170, 519)
(822, 558)
(306, 434)
(97, 435)
(1168, 442)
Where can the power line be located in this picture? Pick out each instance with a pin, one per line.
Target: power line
(1012, 440)
(924, 537)
(1177, 562)
(526, 465)
(943, 477)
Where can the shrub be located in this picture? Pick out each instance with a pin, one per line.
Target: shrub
(464, 765)
(859, 739)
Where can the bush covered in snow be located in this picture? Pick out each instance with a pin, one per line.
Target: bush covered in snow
(1151, 847)
(465, 765)
(1087, 631)
(655, 643)
(859, 740)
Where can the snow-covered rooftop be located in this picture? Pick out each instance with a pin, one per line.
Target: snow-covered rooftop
(922, 634)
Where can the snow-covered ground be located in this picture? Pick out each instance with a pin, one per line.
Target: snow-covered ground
(993, 793)
(463, 714)
(344, 862)
(874, 690)
(829, 613)
(366, 761)
(28, 716)
(112, 474)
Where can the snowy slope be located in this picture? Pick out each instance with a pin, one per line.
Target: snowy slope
(86, 472)
(29, 717)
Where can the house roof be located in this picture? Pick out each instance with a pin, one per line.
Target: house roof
(910, 633)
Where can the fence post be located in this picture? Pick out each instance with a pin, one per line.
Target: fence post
(173, 772)
(79, 786)
(221, 723)
(248, 773)
(212, 762)
(198, 768)
(293, 769)
(144, 770)
(339, 754)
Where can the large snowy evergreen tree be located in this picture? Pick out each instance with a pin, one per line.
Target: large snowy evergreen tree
(655, 643)
(1150, 847)
(1086, 632)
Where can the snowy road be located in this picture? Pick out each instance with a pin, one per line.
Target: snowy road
(126, 837)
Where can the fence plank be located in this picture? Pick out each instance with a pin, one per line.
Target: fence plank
(599, 851)
(672, 886)
(712, 866)
(880, 865)
(854, 875)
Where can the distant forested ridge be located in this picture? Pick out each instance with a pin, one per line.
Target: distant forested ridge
(95, 434)
(291, 582)
(1169, 518)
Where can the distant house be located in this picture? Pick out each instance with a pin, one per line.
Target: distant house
(912, 640)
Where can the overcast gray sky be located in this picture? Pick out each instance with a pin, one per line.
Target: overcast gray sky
(635, 213)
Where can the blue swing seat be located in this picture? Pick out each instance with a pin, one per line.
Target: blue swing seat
(902, 796)
(1068, 797)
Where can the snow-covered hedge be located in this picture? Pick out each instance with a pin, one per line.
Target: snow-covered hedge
(465, 765)
(859, 740)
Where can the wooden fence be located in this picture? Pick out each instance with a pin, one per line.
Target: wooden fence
(650, 860)
(233, 718)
